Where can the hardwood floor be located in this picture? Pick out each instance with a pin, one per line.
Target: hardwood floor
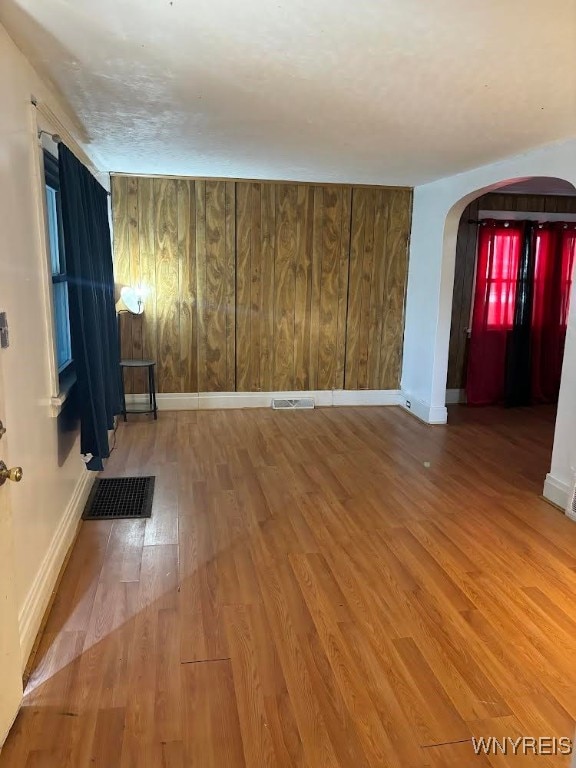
(343, 587)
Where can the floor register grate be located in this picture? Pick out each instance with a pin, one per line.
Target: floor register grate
(120, 498)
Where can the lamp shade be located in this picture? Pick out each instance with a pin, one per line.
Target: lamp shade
(133, 299)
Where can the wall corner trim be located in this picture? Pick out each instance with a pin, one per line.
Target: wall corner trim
(38, 598)
(429, 414)
(557, 491)
(193, 401)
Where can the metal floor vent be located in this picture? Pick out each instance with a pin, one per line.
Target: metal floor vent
(120, 497)
(305, 403)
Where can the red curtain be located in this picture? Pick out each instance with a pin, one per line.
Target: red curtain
(548, 257)
(499, 248)
(555, 248)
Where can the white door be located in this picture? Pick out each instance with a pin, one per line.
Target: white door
(10, 657)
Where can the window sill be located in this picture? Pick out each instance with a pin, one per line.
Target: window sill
(67, 381)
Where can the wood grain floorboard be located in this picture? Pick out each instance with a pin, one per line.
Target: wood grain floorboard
(335, 588)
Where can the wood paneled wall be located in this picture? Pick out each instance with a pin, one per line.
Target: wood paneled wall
(466, 261)
(527, 203)
(262, 286)
(462, 295)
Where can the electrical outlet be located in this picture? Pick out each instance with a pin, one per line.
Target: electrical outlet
(408, 404)
(4, 338)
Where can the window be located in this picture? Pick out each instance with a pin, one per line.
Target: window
(555, 250)
(58, 264)
(502, 276)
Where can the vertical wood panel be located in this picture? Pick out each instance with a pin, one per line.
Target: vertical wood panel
(367, 281)
(187, 286)
(316, 284)
(200, 197)
(343, 287)
(121, 224)
(146, 228)
(213, 372)
(216, 241)
(396, 265)
(462, 296)
(230, 285)
(167, 288)
(284, 287)
(268, 271)
(256, 290)
(304, 215)
(357, 226)
(383, 273)
(138, 383)
(379, 231)
(260, 286)
(244, 236)
(330, 280)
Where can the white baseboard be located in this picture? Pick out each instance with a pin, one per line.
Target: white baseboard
(367, 397)
(557, 491)
(215, 400)
(427, 413)
(192, 401)
(38, 598)
(455, 396)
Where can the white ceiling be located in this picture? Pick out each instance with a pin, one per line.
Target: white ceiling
(375, 91)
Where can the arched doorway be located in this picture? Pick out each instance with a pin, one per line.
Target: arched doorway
(536, 199)
(436, 213)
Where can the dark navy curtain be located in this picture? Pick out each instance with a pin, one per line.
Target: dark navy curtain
(92, 307)
(518, 378)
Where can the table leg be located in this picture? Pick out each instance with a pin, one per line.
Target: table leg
(153, 388)
(123, 394)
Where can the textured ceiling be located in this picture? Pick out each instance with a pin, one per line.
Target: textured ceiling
(380, 91)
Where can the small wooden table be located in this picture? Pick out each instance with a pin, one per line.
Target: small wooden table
(151, 406)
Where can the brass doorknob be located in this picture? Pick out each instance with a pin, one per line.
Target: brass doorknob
(14, 474)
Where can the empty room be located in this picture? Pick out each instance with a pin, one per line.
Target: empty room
(287, 384)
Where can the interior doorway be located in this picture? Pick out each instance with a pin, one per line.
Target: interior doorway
(515, 256)
(10, 651)
(506, 224)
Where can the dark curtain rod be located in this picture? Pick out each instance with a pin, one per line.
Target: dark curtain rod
(503, 221)
(515, 221)
(57, 139)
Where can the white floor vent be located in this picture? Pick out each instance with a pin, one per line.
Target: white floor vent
(305, 403)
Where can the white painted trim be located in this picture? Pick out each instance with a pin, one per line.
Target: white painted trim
(214, 400)
(455, 396)
(367, 397)
(38, 598)
(427, 413)
(192, 401)
(557, 491)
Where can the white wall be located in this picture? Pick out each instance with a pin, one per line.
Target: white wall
(437, 210)
(562, 471)
(45, 505)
